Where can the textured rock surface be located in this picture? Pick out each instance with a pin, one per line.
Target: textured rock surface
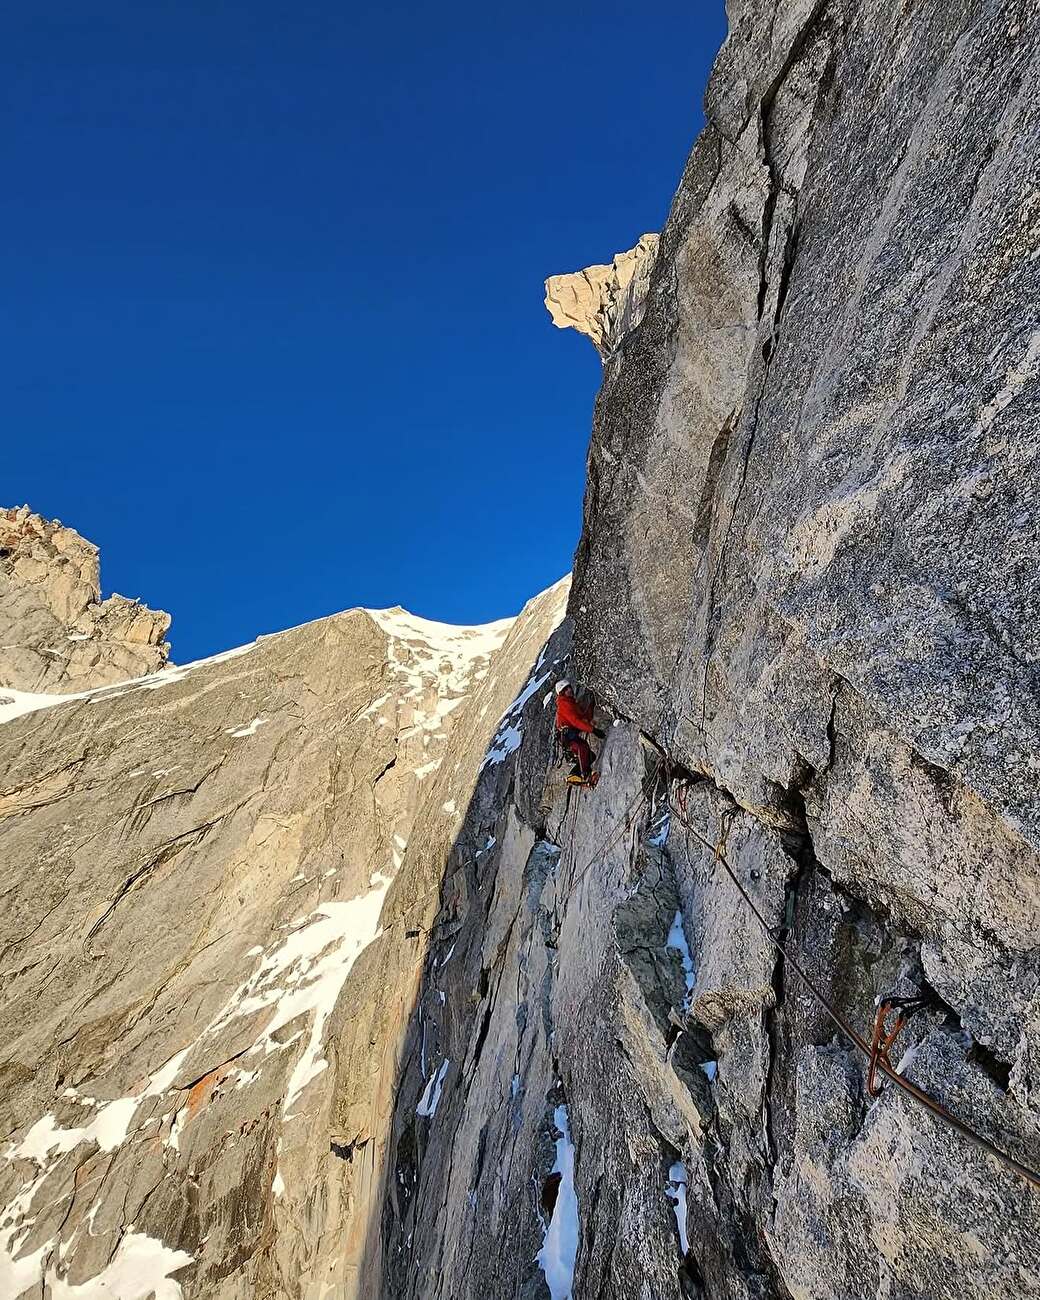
(320, 983)
(808, 571)
(216, 888)
(604, 302)
(56, 633)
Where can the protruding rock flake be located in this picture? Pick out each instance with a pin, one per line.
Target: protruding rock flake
(604, 302)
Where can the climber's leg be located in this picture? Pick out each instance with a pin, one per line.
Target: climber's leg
(583, 757)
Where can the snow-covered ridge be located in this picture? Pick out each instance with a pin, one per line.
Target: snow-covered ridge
(462, 644)
(469, 641)
(13, 704)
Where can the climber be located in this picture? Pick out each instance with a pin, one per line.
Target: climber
(573, 724)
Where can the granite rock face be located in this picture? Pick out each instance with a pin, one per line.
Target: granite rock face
(321, 982)
(217, 883)
(56, 633)
(805, 592)
(604, 302)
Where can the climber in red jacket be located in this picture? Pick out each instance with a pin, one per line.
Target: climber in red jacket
(572, 726)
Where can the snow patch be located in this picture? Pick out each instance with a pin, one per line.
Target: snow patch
(431, 1097)
(560, 1244)
(250, 729)
(510, 728)
(139, 1269)
(109, 1128)
(20, 1274)
(13, 704)
(306, 974)
(676, 1193)
(677, 942)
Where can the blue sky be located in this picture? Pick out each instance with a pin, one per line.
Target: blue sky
(272, 326)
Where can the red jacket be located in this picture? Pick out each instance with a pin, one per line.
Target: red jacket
(569, 715)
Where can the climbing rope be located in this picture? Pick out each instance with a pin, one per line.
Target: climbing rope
(876, 1052)
(622, 825)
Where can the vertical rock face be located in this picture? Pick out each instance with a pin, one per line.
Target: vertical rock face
(56, 633)
(808, 574)
(604, 302)
(319, 980)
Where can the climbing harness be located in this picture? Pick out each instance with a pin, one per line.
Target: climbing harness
(876, 1051)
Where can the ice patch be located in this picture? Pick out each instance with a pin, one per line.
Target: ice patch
(677, 942)
(449, 808)
(510, 729)
(659, 832)
(560, 1244)
(431, 1097)
(507, 738)
(907, 1059)
(711, 1069)
(676, 1193)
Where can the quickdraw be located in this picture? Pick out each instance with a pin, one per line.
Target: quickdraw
(883, 1038)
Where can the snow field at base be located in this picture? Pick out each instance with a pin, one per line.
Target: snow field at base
(559, 1251)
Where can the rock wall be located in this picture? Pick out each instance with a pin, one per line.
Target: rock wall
(217, 883)
(56, 633)
(806, 591)
(321, 982)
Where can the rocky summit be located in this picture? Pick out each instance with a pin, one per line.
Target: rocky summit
(319, 981)
(56, 633)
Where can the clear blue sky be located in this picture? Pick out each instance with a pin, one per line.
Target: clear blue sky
(272, 327)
